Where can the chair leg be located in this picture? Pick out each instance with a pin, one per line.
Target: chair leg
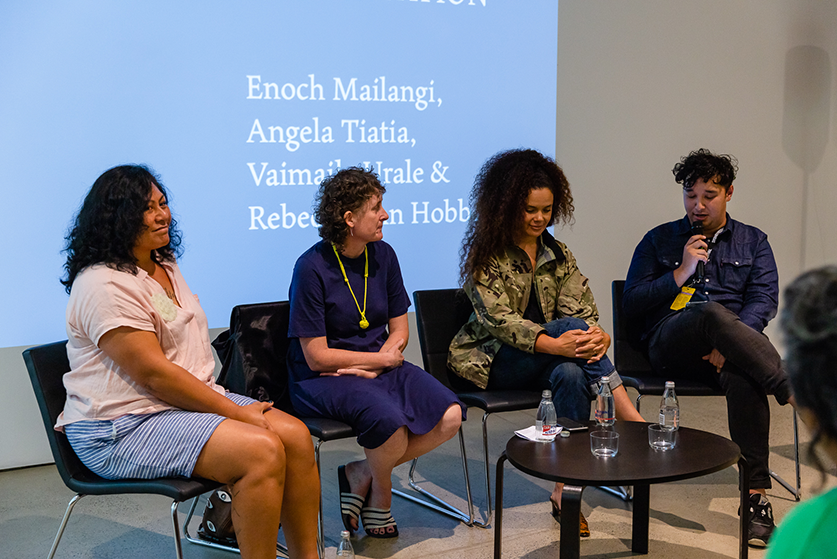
(63, 525)
(281, 550)
(624, 492)
(796, 454)
(186, 522)
(487, 468)
(470, 518)
(320, 532)
(194, 539)
(795, 491)
(445, 508)
(469, 497)
(177, 546)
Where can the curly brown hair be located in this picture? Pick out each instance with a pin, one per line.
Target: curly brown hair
(498, 201)
(705, 165)
(345, 191)
(110, 220)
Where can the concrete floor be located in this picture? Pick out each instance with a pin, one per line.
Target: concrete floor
(689, 519)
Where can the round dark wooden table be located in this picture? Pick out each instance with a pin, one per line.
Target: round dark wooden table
(569, 460)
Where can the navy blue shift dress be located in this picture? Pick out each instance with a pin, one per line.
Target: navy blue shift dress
(321, 305)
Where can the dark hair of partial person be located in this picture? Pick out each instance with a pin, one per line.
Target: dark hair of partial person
(498, 202)
(703, 164)
(809, 322)
(345, 191)
(111, 220)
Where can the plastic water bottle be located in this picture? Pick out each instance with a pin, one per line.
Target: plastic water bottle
(345, 548)
(670, 408)
(605, 408)
(546, 421)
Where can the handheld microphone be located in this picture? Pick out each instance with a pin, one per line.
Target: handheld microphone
(700, 272)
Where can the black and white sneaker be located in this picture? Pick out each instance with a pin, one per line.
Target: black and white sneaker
(760, 526)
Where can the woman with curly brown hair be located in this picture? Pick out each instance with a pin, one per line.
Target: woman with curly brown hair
(535, 321)
(348, 324)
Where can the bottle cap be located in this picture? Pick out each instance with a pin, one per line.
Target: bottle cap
(669, 384)
(606, 379)
(345, 534)
(547, 394)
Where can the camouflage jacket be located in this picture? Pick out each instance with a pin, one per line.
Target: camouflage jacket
(500, 295)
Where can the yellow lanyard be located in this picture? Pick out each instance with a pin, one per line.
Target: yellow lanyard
(364, 324)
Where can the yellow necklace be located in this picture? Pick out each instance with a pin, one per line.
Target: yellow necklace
(364, 324)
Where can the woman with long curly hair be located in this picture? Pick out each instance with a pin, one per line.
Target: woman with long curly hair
(141, 395)
(809, 322)
(535, 321)
(348, 327)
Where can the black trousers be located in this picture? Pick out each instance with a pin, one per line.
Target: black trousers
(753, 369)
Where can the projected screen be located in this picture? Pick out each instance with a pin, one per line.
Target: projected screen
(242, 109)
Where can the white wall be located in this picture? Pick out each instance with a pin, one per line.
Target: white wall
(641, 83)
(22, 438)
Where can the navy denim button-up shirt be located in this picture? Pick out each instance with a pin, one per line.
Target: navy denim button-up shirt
(741, 274)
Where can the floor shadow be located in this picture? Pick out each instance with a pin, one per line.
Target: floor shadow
(617, 548)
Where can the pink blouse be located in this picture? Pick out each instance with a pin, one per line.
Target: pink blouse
(103, 299)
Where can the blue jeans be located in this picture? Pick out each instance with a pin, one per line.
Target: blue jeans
(574, 382)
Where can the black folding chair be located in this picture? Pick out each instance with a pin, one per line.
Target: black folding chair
(253, 353)
(440, 313)
(47, 365)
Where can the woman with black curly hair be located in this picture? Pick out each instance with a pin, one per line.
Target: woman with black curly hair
(535, 321)
(348, 324)
(141, 395)
(809, 322)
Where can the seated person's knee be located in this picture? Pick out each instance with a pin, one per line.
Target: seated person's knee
(268, 449)
(565, 324)
(568, 374)
(293, 429)
(715, 314)
(452, 420)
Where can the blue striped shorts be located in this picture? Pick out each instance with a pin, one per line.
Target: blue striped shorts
(163, 444)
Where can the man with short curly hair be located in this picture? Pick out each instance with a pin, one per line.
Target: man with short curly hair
(701, 291)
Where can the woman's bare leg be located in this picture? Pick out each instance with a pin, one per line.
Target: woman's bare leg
(375, 472)
(447, 427)
(301, 497)
(625, 409)
(556, 494)
(251, 460)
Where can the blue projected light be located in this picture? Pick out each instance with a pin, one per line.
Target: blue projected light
(243, 110)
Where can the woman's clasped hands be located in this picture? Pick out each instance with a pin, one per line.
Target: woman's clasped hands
(392, 358)
(590, 344)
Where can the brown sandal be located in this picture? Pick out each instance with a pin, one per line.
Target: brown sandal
(583, 527)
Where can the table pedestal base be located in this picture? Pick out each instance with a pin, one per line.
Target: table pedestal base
(570, 542)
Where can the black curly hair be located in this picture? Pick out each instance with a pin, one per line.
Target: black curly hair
(498, 201)
(345, 191)
(110, 221)
(703, 164)
(809, 322)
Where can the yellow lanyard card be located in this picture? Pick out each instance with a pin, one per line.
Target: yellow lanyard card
(682, 298)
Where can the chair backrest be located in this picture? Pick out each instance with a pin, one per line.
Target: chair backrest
(440, 313)
(46, 365)
(253, 353)
(627, 357)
